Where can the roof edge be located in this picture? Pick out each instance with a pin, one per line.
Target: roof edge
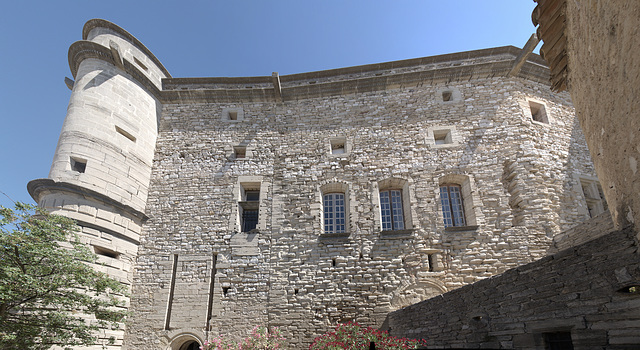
(102, 23)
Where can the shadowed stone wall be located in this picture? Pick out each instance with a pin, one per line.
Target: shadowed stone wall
(577, 291)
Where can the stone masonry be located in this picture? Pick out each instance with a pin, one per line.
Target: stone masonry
(170, 168)
(582, 292)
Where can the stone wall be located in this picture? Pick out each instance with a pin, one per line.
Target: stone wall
(604, 80)
(514, 173)
(584, 232)
(582, 291)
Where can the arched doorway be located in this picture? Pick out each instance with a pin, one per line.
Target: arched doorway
(190, 345)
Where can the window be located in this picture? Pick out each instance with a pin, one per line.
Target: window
(593, 195)
(538, 112)
(451, 205)
(249, 207)
(448, 95)
(338, 145)
(393, 199)
(443, 136)
(78, 165)
(140, 64)
(232, 114)
(240, 152)
(334, 213)
(332, 209)
(126, 134)
(105, 252)
(391, 210)
(460, 208)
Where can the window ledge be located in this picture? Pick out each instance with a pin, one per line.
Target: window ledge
(461, 228)
(397, 234)
(535, 122)
(335, 235)
(446, 145)
(252, 232)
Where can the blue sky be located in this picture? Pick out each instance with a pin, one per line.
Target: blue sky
(220, 38)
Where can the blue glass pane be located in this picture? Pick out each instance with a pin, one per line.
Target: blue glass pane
(334, 213)
(396, 204)
(385, 211)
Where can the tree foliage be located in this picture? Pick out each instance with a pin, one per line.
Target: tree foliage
(47, 287)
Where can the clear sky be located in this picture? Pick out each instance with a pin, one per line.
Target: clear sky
(220, 38)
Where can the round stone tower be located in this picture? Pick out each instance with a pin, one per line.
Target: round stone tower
(102, 164)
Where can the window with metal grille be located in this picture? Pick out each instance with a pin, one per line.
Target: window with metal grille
(451, 204)
(249, 208)
(249, 219)
(391, 211)
(334, 213)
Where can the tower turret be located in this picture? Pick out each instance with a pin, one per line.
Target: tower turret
(102, 164)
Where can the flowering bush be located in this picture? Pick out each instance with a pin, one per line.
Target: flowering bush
(354, 336)
(261, 338)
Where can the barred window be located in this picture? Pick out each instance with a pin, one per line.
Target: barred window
(249, 209)
(452, 206)
(391, 210)
(334, 213)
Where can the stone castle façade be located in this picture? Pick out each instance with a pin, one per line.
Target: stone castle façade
(305, 200)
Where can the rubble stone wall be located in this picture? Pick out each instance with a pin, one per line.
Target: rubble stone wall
(582, 291)
(516, 175)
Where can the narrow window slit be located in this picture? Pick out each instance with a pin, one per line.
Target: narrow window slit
(430, 261)
(106, 252)
(140, 64)
(125, 134)
(172, 287)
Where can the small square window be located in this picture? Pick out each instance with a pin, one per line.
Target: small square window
(338, 145)
(538, 112)
(78, 165)
(232, 114)
(442, 137)
(240, 152)
(447, 96)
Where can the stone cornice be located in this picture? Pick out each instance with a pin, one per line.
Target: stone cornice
(488, 63)
(39, 187)
(101, 23)
(82, 50)
(479, 64)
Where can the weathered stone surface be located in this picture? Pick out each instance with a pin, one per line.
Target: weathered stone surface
(171, 165)
(583, 298)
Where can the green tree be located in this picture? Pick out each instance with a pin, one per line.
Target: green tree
(47, 286)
